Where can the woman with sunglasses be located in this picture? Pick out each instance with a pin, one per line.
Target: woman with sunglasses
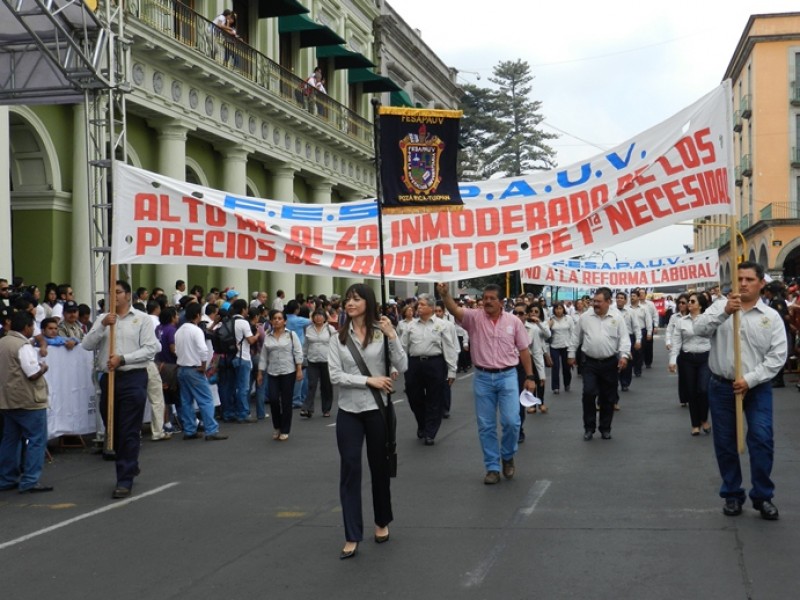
(689, 357)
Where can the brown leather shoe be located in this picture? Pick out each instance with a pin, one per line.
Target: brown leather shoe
(508, 468)
(492, 477)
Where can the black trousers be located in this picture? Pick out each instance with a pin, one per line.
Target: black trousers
(693, 376)
(281, 390)
(600, 378)
(521, 378)
(351, 430)
(426, 386)
(130, 396)
(318, 374)
(464, 361)
(638, 355)
(647, 350)
(626, 375)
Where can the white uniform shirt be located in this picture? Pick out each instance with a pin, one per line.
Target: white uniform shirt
(763, 346)
(600, 337)
(684, 339)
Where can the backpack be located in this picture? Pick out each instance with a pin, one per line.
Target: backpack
(223, 338)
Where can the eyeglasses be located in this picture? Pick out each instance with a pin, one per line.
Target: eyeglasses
(692, 301)
(519, 314)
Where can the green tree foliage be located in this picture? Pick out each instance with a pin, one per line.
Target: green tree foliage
(500, 129)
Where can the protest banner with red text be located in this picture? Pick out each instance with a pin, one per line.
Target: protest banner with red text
(683, 269)
(678, 170)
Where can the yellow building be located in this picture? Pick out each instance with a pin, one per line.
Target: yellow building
(765, 72)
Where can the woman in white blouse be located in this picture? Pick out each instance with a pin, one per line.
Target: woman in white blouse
(689, 357)
(358, 416)
(316, 346)
(282, 359)
(561, 325)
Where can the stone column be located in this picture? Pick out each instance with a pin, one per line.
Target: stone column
(283, 178)
(172, 163)
(6, 257)
(321, 194)
(80, 269)
(234, 180)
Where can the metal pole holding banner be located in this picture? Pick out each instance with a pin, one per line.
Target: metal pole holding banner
(737, 342)
(112, 339)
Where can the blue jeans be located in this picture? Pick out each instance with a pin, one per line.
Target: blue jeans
(495, 391)
(300, 391)
(261, 391)
(237, 380)
(195, 387)
(758, 412)
(18, 425)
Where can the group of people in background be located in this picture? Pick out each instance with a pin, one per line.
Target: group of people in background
(208, 358)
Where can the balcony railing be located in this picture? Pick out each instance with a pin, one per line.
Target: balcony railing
(794, 93)
(744, 222)
(794, 160)
(746, 106)
(780, 210)
(189, 28)
(747, 165)
(737, 121)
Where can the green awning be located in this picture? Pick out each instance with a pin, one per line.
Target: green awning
(311, 33)
(400, 98)
(372, 83)
(343, 58)
(279, 8)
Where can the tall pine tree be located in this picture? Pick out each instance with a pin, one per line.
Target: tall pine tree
(517, 145)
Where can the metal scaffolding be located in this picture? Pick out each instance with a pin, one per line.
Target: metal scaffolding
(67, 52)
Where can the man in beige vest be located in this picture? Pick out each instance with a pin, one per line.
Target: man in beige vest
(23, 403)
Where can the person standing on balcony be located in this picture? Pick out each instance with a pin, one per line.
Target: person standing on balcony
(218, 27)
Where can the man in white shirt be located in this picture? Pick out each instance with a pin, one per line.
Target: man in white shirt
(180, 292)
(647, 342)
(277, 304)
(193, 356)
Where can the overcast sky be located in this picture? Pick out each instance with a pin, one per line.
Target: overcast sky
(604, 71)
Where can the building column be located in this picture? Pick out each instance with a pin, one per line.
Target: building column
(321, 194)
(80, 269)
(283, 179)
(6, 259)
(172, 163)
(234, 180)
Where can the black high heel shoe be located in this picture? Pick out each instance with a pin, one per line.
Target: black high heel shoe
(348, 553)
(380, 539)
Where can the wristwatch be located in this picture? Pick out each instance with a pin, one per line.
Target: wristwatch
(121, 360)
(530, 377)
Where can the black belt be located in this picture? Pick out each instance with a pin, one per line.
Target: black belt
(425, 357)
(503, 370)
(591, 358)
(716, 377)
(127, 371)
(187, 367)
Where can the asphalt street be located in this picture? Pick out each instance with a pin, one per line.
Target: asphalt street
(635, 517)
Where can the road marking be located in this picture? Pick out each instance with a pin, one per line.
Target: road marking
(130, 500)
(477, 575)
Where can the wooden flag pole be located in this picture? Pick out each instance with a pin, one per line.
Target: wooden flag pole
(737, 341)
(112, 338)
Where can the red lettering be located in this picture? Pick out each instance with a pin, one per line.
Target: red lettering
(191, 206)
(147, 237)
(145, 207)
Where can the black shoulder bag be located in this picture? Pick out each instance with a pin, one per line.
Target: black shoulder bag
(387, 410)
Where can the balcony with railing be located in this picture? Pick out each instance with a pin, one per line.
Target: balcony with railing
(737, 121)
(794, 93)
(780, 210)
(794, 159)
(746, 106)
(185, 26)
(746, 165)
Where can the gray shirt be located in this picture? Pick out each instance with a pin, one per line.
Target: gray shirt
(763, 346)
(600, 337)
(316, 344)
(135, 340)
(431, 338)
(354, 394)
(280, 356)
(684, 339)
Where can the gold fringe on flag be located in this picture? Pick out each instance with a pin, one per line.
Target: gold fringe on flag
(406, 210)
(403, 111)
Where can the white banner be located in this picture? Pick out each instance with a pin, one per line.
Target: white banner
(683, 269)
(675, 171)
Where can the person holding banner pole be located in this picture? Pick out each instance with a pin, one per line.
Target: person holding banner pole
(134, 345)
(499, 342)
(762, 356)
